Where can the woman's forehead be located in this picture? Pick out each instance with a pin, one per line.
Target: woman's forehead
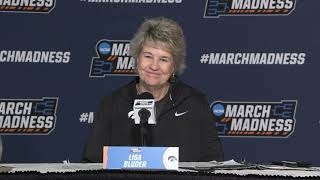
(158, 45)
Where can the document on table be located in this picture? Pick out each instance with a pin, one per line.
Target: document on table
(52, 167)
(212, 165)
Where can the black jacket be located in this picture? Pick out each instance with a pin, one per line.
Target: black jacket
(194, 132)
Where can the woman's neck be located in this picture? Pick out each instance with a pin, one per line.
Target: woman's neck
(158, 92)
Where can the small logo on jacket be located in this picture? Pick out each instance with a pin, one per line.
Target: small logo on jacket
(131, 114)
(180, 114)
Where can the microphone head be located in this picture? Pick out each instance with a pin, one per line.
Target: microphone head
(144, 104)
(145, 95)
(144, 115)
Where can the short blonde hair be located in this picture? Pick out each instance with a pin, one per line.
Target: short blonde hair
(162, 32)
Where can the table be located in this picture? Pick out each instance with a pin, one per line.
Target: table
(94, 171)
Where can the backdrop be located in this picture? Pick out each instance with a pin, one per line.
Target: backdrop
(256, 60)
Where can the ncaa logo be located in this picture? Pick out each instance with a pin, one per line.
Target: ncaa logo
(218, 109)
(104, 48)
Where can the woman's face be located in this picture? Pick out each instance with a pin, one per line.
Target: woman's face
(155, 65)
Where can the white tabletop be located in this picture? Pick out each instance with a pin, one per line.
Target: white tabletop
(73, 167)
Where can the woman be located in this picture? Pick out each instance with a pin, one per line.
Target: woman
(183, 115)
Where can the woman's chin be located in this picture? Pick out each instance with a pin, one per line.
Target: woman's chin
(152, 83)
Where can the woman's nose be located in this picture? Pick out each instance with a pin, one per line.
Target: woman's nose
(155, 65)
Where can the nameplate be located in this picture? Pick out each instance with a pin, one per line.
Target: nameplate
(139, 158)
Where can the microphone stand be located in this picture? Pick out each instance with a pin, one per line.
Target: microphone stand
(143, 132)
(144, 116)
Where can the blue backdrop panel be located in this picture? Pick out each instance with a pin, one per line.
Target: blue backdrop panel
(50, 55)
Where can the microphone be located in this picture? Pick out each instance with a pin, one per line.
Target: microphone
(144, 115)
(144, 109)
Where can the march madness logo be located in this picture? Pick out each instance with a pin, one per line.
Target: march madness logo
(30, 6)
(255, 119)
(217, 8)
(113, 59)
(28, 116)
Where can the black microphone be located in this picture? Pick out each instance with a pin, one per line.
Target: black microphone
(144, 114)
(143, 103)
